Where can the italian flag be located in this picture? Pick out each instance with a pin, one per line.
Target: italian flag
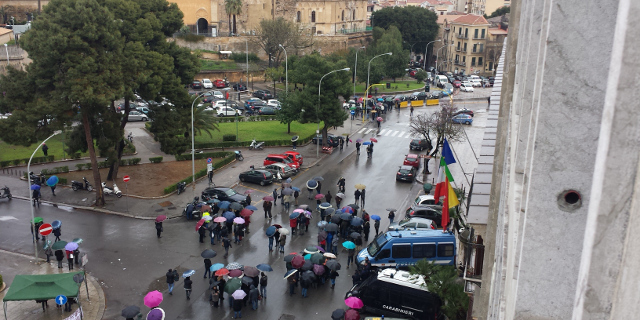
(444, 189)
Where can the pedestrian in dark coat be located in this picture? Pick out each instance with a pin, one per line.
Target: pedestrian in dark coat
(296, 194)
(318, 189)
(215, 296)
(267, 209)
(244, 287)
(293, 282)
(57, 232)
(70, 259)
(366, 229)
(276, 237)
(328, 196)
(362, 194)
(49, 252)
(357, 194)
(305, 284)
(76, 255)
(237, 308)
(248, 199)
(201, 232)
(376, 225)
(282, 242)
(253, 297)
(207, 267)
(356, 277)
(187, 287)
(221, 285)
(159, 229)
(263, 285)
(333, 276)
(59, 257)
(358, 148)
(170, 280)
(45, 149)
(227, 244)
(275, 197)
(338, 201)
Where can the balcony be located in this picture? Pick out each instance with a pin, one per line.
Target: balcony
(479, 38)
(459, 63)
(462, 36)
(478, 51)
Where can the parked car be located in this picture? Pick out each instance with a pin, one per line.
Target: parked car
(219, 83)
(406, 173)
(412, 160)
(413, 223)
(425, 212)
(219, 104)
(233, 104)
(424, 200)
(137, 116)
(295, 157)
(208, 97)
(457, 83)
(263, 94)
(332, 140)
(466, 87)
(463, 111)
(254, 107)
(419, 144)
(143, 110)
(437, 94)
(227, 111)
(462, 119)
(274, 104)
(261, 177)
(279, 170)
(280, 158)
(196, 85)
(223, 194)
(239, 87)
(267, 111)
(207, 84)
(420, 95)
(448, 89)
(349, 104)
(218, 95)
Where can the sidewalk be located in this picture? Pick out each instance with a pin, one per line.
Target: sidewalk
(12, 264)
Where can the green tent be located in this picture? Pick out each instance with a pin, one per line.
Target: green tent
(42, 287)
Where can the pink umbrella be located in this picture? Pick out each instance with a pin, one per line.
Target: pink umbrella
(238, 220)
(354, 302)
(351, 314)
(161, 218)
(199, 224)
(319, 196)
(246, 212)
(299, 210)
(153, 299)
(379, 119)
(373, 140)
(267, 198)
(235, 273)
(297, 262)
(220, 219)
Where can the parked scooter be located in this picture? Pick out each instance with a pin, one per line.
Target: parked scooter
(192, 210)
(256, 145)
(35, 179)
(181, 186)
(77, 185)
(6, 193)
(115, 191)
(239, 156)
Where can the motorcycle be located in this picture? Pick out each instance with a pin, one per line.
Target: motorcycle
(111, 191)
(239, 156)
(256, 145)
(192, 210)
(77, 185)
(181, 186)
(35, 179)
(6, 193)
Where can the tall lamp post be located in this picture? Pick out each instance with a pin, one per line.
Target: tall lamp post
(286, 71)
(193, 143)
(318, 109)
(364, 108)
(33, 225)
(355, 74)
(425, 54)
(246, 53)
(438, 55)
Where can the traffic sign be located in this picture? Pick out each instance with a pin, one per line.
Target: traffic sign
(209, 160)
(61, 300)
(209, 167)
(45, 229)
(126, 178)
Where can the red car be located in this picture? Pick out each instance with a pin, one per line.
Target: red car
(457, 83)
(296, 157)
(412, 160)
(219, 83)
(280, 158)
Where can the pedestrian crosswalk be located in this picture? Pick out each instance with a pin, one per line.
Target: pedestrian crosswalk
(388, 133)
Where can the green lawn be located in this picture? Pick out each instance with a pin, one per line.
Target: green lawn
(11, 152)
(260, 130)
(399, 85)
(210, 65)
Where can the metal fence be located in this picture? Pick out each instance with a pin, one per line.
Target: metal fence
(355, 30)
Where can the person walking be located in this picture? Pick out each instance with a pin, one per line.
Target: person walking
(411, 111)
(221, 284)
(275, 196)
(266, 205)
(334, 244)
(357, 194)
(350, 254)
(187, 287)
(328, 197)
(338, 201)
(304, 284)
(237, 308)
(341, 184)
(53, 190)
(296, 194)
(227, 244)
(45, 149)
(369, 150)
(332, 275)
(49, 252)
(302, 222)
(263, 285)
(57, 232)
(248, 199)
(253, 297)
(341, 144)
(171, 280)
(376, 225)
(270, 244)
(293, 223)
(347, 141)
(358, 147)
(276, 238)
(355, 278)
(59, 257)
(201, 233)
(392, 216)
(215, 296)
(70, 259)
(212, 231)
(362, 194)
(287, 202)
(207, 268)
(292, 281)
(282, 242)
(319, 188)
(76, 255)
(281, 195)
(159, 229)
(366, 227)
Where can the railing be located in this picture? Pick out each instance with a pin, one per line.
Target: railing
(462, 36)
(459, 63)
(478, 51)
(478, 38)
(355, 30)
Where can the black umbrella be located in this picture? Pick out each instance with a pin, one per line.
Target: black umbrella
(208, 254)
(333, 265)
(287, 191)
(247, 280)
(354, 206)
(335, 219)
(318, 178)
(236, 206)
(290, 272)
(130, 311)
(356, 222)
(331, 227)
(346, 216)
(308, 265)
(354, 235)
(308, 275)
(290, 257)
(329, 211)
(337, 314)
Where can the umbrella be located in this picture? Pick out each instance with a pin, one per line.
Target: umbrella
(340, 194)
(235, 273)
(380, 99)
(77, 240)
(238, 220)
(35, 187)
(303, 206)
(300, 210)
(287, 191)
(294, 138)
(349, 245)
(216, 266)
(329, 210)
(199, 224)
(52, 181)
(347, 210)
(208, 254)
(319, 196)
(296, 189)
(337, 314)
(71, 246)
(366, 143)
(271, 231)
(213, 201)
(284, 231)
(329, 255)
(253, 208)
(320, 249)
(354, 206)
(334, 219)
(360, 186)
(375, 217)
(221, 272)
(351, 314)
(322, 224)
(246, 212)
(188, 273)
(322, 235)
(391, 209)
(235, 206)
(39, 220)
(312, 184)
(59, 245)
(233, 266)
(308, 276)
(358, 140)
(232, 285)
(229, 215)
(267, 198)
(353, 108)
(56, 224)
(220, 219)
(333, 265)
(130, 311)
(308, 214)
(354, 302)
(324, 205)
(373, 140)
(153, 299)
(264, 267)
(161, 218)
(251, 271)
(308, 265)
(297, 262)
(346, 216)
(287, 184)
(331, 227)
(310, 249)
(318, 269)
(317, 258)
(290, 272)
(247, 281)
(354, 235)
(307, 257)
(207, 218)
(294, 215)
(248, 191)
(277, 225)
(224, 204)
(356, 222)
(156, 314)
(318, 178)
(289, 257)
(379, 119)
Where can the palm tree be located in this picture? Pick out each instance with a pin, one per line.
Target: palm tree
(233, 7)
(204, 120)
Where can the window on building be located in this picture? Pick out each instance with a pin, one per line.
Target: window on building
(464, 59)
(458, 45)
(466, 32)
(480, 62)
(473, 61)
(482, 34)
(298, 17)
(475, 34)
(353, 15)
(342, 15)
(475, 46)
(481, 47)
(313, 17)
(490, 65)
(457, 57)
(465, 48)
(460, 31)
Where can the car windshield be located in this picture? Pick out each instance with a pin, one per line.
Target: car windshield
(230, 192)
(405, 171)
(404, 221)
(377, 244)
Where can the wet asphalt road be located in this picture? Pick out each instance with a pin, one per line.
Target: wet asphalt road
(128, 259)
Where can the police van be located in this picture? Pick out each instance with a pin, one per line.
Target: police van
(404, 248)
(397, 293)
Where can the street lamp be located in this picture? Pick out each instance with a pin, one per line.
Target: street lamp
(355, 73)
(246, 53)
(425, 54)
(286, 71)
(318, 109)
(193, 143)
(438, 55)
(368, 86)
(33, 225)
(6, 48)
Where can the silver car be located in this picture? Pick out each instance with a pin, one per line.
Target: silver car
(137, 116)
(413, 223)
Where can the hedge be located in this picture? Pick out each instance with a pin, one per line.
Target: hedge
(218, 154)
(155, 159)
(63, 169)
(229, 137)
(228, 144)
(216, 166)
(17, 162)
(104, 164)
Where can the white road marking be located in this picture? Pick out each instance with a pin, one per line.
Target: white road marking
(7, 218)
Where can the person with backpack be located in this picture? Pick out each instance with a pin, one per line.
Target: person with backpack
(171, 279)
(159, 229)
(187, 287)
(296, 194)
(263, 285)
(282, 242)
(341, 184)
(207, 268)
(227, 244)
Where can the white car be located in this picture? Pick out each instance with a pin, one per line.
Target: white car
(207, 84)
(274, 103)
(466, 87)
(137, 116)
(218, 95)
(348, 104)
(219, 104)
(226, 111)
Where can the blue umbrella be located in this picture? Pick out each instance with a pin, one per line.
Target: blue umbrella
(52, 181)
(37, 187)
(271, 231)
(294, 215)
(321, 224)
(264, 267)
(217, 266)
(56, 224)
(296, 189)
(366, 143)
(312, 184)
(349, 245)
(307, 256)
(229, 215)
(224, 204)
(329, 211)
(188, 273)
(253, 208)
(325, 205)
(380, 99)
(213, 201)
(375, 217)
(357, 222)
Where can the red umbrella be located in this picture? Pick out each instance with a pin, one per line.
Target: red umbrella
(222, 272)
(297, 262)
(246, 212)
(319, 196)
(161, 218)
(379, 119)
(199, 224)
(374, 139)
(277, 226)
(235, 273)
(351, 314)
(268, 198)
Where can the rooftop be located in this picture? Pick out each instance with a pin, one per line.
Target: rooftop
(471, 19)
(498, 31)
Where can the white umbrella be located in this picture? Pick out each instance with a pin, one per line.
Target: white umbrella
(283, 231)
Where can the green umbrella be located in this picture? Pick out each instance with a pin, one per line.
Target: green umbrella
(77, 240)
(317, 258)
(37, 220)
(427, 187)
(47, 245)
(59, 245)
(352, 108)
(232, 285)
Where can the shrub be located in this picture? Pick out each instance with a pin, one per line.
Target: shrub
(76, 155)
(102, 164)
(191, 37)
(124, 162)
(242, 57)
(16, 162)
(134, 161)
(63, 169)
(4, 164)
(45, 172)
(87, 166)
(155, 159)
(229, 137)
(62, 181)
(80, 166)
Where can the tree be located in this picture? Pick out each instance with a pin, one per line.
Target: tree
(290, 109)
(274, 74)
(233, 8)
(416, 24)
(438, 124)
(444, 282)
(499, 12)
(391, 41)
(421, 75)
(279, 31)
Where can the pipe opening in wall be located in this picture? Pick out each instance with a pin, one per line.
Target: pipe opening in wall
(572, 197)
(569, 200)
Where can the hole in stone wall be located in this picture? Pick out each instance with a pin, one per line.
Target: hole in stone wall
(569, 200)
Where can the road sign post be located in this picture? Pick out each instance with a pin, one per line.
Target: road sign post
(126, 190)
(61, 300)
(45, 229)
